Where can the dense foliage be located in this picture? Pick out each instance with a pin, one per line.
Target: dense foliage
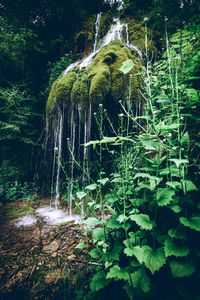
(149, 238)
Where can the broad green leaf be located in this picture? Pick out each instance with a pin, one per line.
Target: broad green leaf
(91, 187)
(172, 248)
(113, 223)
(178, 162)
(154, 259)
(165, 196)
(176, 208)
(117, 273)
(81, 195)
(150, 145)
(99, 281)
(174, 184)
(91, 222)
(122, 218)
(112, 198)
(130, 291)
(142, 220)
(178, 233)
(140, 280)
(193, 222)
(114, 254)
(127, 66)
(188, 185)
(151, 178)
(181, 269)
(98, 234)
(81, 245)
(95, 253)
(136, 251)
(103, 181)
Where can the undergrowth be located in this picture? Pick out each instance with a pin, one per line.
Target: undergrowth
(147, 238)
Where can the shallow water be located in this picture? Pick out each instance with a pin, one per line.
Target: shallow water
(28, 220)
(56, 216)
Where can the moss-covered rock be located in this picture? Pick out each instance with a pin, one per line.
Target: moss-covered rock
(61, 90)
(137, 34)
(105, 76)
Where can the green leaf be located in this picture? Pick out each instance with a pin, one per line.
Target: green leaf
(98, 234)
(99, 281)
(117, 273)
(81, 245)
(103, 181)
(174, 184)
(130, 291)
(188, 185)
(193, 222)
(178, 233)
(176, 208)
(185, 140)
(91, 187)
(165, 196)
(142, 220)
(151, 145)
(115, 252)
(172, 248)
(113, 223)
(140, 280)
(136, 251)
(95, 253)
(91, 222)
(122, 218)
(178, 162)
(181, 269)
(127, 66)
(154, 259)
(81, 195)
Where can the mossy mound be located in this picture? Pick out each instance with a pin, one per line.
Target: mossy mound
(102, 78)
(61, 90)
(105, 76)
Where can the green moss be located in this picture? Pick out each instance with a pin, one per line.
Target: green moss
(16, 212)
(61, 90)
(79, 92)
(137, 35)
(105, 76)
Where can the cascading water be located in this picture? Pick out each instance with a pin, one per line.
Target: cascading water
(97, 25)
(115, 33)
(80, 116)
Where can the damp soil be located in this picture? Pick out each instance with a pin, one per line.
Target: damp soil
(39, 261)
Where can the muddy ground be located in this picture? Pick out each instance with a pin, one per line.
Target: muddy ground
(40, 261)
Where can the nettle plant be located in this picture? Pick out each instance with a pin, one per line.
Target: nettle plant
(152, 227)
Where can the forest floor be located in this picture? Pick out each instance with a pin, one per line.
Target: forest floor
(39, 261)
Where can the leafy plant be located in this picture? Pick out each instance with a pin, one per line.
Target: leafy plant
(152, 213)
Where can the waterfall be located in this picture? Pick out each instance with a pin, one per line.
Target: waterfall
(120, 3)
(80, 116)
(97, 25)
(115, 33)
